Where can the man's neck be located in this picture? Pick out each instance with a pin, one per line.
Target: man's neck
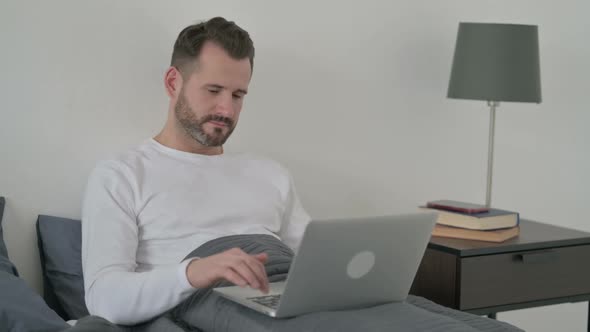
(184, 143)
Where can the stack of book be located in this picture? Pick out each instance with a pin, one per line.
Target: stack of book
(473, 221)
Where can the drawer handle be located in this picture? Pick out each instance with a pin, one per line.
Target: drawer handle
(537, 257)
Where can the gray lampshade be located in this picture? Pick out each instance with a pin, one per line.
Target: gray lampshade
(496, 62)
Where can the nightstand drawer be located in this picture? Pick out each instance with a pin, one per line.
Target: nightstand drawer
(500, 279)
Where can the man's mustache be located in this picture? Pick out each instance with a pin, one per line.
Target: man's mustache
(218, 118)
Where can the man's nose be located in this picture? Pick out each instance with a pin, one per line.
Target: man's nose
(225, 105)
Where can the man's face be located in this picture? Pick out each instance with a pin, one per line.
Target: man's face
(209, 103)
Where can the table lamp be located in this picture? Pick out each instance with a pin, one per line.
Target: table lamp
(495, 62)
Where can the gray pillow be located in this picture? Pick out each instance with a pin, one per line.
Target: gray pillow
(3, 251)
(60, 242)
(5, 264)
(21, 309)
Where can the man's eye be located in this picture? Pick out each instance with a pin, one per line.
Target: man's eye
(237, 96)
(214, 91)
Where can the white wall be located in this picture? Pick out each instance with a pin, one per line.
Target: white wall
(350, 95)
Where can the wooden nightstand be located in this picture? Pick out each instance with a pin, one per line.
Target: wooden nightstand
(545, 265)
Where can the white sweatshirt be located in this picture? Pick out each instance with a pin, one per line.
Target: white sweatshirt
(146, 210)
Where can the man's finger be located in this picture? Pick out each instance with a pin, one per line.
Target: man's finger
(261, 273)
(262, 257)
(234, 278)
(249, 267)
(257, 268)
(247, 273)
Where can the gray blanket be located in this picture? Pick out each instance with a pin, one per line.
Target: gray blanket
(210, 312)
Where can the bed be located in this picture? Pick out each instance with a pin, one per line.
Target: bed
(59, 242)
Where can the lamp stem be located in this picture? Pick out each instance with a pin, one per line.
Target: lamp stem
(492, 105)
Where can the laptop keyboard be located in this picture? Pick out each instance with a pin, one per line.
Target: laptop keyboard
(271, 301)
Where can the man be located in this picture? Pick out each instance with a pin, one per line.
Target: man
(146, 210)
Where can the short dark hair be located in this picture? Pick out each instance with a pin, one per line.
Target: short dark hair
(227, 34)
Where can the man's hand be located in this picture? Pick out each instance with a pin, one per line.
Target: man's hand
(233, 265)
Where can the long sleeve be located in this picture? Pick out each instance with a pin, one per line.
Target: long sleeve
(295, 219)
(114, 290)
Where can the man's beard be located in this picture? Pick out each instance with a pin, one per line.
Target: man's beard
(193, 126)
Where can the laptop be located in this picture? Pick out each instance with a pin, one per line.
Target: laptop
(345, 264)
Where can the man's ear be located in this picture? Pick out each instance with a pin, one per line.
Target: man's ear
(173, 82)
